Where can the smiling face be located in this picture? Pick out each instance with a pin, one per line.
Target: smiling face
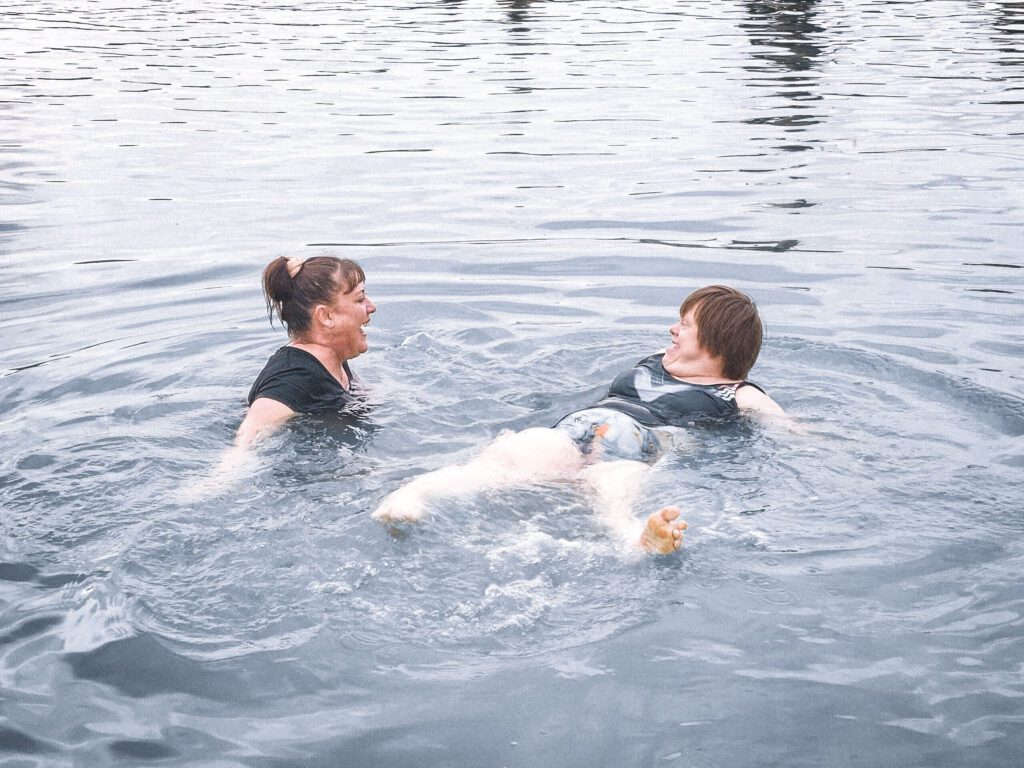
(685, 352)
(345, 320)
(718, 335)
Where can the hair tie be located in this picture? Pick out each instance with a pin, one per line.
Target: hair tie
(294, 266)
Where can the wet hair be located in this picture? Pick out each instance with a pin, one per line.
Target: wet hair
(728, 327)
(294, 295)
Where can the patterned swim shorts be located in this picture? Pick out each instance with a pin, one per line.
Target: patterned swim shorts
(609, 434)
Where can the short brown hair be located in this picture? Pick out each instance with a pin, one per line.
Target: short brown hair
(317, 281)
(728, 327)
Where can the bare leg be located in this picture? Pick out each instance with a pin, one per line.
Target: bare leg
(544, 455)
(514, 458)
(617, 486)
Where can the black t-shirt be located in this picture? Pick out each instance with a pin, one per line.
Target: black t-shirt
(297, 379)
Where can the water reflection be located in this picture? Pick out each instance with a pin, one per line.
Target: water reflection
(786, 40)
(517, 13)
(788, 28)
(1009, 23)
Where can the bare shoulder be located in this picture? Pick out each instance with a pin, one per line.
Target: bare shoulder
(753, 401)
(749, 398)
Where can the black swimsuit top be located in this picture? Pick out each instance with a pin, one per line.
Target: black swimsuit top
(653, 397)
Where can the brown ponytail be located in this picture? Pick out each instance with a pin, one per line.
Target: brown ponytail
(317, 280)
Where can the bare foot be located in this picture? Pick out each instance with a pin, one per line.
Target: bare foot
(400, 507)
(661, 534)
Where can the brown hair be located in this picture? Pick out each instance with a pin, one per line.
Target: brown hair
(728, 327)
(293, 289)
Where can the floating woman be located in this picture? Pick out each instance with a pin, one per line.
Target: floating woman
(610, 445)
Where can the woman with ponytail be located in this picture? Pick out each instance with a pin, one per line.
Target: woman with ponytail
(323, 305)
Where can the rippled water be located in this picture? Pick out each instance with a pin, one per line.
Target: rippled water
(532, 188)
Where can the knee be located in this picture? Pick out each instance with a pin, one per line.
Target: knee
(537, 450)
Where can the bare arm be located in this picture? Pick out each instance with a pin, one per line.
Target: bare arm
(753, 399)
(264, 416)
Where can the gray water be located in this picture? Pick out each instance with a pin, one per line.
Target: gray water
(532, 188)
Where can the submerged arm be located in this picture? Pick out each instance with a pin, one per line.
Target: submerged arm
(752, 400)
(264, 416)
(236, 462)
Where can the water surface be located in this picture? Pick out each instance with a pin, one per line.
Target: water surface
(532, 188)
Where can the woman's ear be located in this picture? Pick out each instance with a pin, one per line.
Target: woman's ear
(323, 315)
